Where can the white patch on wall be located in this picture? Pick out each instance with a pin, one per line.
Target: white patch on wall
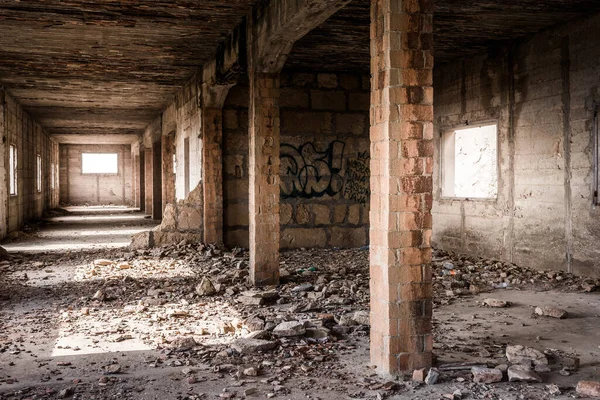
(99, 163)
(470, 162)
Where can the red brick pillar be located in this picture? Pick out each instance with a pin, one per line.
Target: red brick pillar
(264, 178)
(401, 184)
(212, 159)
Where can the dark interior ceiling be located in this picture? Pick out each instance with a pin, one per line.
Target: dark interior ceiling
(107, 66)
(110, 66)
(461, 27)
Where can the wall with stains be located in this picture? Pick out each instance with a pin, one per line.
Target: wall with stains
(542, 93)
(30, 141)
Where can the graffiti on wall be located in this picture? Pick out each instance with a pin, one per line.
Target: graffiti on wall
(309, 173)
(358, 174)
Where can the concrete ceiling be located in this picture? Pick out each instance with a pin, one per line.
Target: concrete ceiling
(107, 66)
(110, 66)
(461, 27)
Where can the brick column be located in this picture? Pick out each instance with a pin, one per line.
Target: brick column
(264, 178)
(212, 159)
(401, 184)
(149, 181)
(157, 180)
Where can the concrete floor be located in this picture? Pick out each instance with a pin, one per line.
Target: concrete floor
(84, 228)
(48, 343)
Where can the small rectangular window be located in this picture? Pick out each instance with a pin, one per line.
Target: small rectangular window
(52, 177)
(39, 173)
(13, 170)
(99, 163)
(470, 162)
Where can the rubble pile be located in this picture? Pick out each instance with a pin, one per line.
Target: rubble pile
(194, 305)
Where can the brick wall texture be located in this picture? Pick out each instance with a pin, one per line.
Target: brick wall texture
(324, 172)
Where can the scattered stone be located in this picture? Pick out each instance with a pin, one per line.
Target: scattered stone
(183, 343)
(549, 311)
(250, 346)
(553, 389)
(570, 363)
(362, 318)
(103, 262)
(205, 288)
(495, 303)
(541, 368)
(317, 333)
(250, 391)
(63, 394)
(522, 373)
(251, 371)
(289, 329)
(525, 355)
(419, 375)
(303, 288)
(112, 369)
(99, 295)
(588, 389)
(432, 376)
(486, 375)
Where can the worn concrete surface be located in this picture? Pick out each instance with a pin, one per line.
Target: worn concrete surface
(48, 342)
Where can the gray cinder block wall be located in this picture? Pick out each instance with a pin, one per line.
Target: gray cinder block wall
(542, 92)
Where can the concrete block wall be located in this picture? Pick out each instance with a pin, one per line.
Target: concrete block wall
(96, 189)
(18, 128)
(324, 161)
(542, 94)
(182, 219)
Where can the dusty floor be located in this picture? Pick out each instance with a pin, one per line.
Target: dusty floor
(83, 317)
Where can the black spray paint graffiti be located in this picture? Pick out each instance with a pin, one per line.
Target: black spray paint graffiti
(308, 173)
(358, 175)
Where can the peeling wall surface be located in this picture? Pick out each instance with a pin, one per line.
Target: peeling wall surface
(95, 189)
(542, 94)
(324, 161)
(17, 128)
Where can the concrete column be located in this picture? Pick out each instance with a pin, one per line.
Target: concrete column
(148, 180)
(168, 174)
(401, 184)
(142, 180)
(157, 180)
(212, 160)
(264, 178)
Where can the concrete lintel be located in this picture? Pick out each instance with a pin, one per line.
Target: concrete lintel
(278, 25)
(96, 139)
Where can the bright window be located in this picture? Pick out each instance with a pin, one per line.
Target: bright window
(39, 173)
(470, 162)
(52, 177)
(13, 169)
(99, 163)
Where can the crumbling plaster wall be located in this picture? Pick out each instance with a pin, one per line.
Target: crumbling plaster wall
(95, 189)
(324, 161)
(541, 92)
(18, 128)
(182, 220)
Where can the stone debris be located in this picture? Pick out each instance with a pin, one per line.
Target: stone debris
(432, 376)
(549, 311)
(249, 346)
(193, 304)
(495, 303)
(588, 389)
(525, 355)
(289, 328)
(522, 373)
(486, 375)
(206, 288)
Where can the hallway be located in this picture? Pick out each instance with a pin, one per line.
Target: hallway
(82, 228)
